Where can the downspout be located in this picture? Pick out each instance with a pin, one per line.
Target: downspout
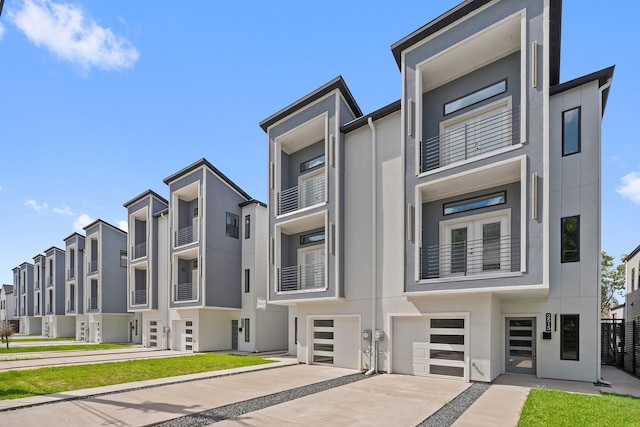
(373, 346)
(600, 113)
(168, 345)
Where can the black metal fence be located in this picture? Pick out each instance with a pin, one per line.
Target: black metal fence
(621, 344)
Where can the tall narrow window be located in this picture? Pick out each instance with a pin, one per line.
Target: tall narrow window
(633, 279)
(247, 336)
(233, 224)
(123, 259)
(247, 285)
(569, 336)
(570, 244)
(571, 131)
(295, 330)
(247, 226)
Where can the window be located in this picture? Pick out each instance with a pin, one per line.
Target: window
(475, 203)
(475, 97)
(313, 163)
(633, 279)
(123, 259)
(247, 338)
(569, 336)
(571, 131)
(232, 225)
(247, 275)
(247, 226)
(295, 330)
(318, 236)
(570, 244)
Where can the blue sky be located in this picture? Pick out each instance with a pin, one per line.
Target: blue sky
(101, 100)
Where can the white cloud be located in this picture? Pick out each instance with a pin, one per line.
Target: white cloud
(1, 31)
(124, 226)
(630, 188)
(64, 211)
(70, 33)
(82, 221)
(36, 207)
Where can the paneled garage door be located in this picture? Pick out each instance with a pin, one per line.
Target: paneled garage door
(336, 342)
(433, 346)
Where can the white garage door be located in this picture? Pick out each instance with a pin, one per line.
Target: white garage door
(336, 342)
(430, 346)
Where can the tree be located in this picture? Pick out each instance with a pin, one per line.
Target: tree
(6, 331)
(612, 281)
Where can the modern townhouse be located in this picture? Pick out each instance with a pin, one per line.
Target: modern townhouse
(147, 265)
(632, 283)
(54, 321)
(16, 296)
(28, 323)
(7, 304)
(105, 286)
(74, 283)
(455, 232)
(39, 280)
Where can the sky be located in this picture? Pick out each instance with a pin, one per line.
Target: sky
(102, 100)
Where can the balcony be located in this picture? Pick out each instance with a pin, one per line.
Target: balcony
(71, 306)
(475, 136)
(490, 256)
(139, 297)
(36, 284)
(187, 235)
(49, 281)
(310, 192)
(49, 309)
(93, 266)
(185, 292)
(71, 273)
(301, 277)
(139, 250)
(92, 303)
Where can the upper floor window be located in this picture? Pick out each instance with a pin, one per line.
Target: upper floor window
(123, 259)
(570, 243)
(311, 164)
(233, 223)
(475, 97)
(247, 226)
(569, 336)
(312, 238)
(633, 279)
(475, 203)
(571, 131)
(247, 280)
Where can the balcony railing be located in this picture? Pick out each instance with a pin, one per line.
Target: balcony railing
(93, 266)
(472, 257)
(49, 281)
(470, 140)
(309, 193)
(185, 291)
(187, 234)
(139, 297)
(36, 284)
(71, 273)
(139, 250)
(301, 277)
(49, 309)
(71, 306)
(92, 303)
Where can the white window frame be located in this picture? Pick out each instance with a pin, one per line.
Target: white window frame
(308, 249)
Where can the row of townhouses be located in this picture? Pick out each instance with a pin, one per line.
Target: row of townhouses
(452, 233)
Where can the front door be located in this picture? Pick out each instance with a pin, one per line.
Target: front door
(521, 345)
(234, 334)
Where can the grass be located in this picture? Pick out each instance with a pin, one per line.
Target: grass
(62, 347)
(34, 339)
(558, 409)
(35, 382)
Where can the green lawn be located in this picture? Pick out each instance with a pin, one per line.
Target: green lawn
(558, 408)
(34, 382)
(34, 339)
(62, 347)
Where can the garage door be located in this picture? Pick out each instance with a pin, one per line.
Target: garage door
(433, 346)
(336, 342)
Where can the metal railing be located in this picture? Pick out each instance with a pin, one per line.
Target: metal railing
(49, 281)
(93, 266)
(71, 306)
(36, 284)
(185, 291)
(92, 303)
(470, 140)
(299, 277)
(309, 193)
(139, 297)
(471, 257)
(71, 273)
(187, 234)
(49, 309)
(139, 250)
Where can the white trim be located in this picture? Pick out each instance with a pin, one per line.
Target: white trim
(523, 75)
(545, 150)
(298, 111)
(484, 290)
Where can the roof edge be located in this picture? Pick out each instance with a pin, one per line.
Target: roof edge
(376, 115)
(141, 196)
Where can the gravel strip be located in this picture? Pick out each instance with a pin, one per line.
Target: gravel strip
(240, 408)
(449, 413)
